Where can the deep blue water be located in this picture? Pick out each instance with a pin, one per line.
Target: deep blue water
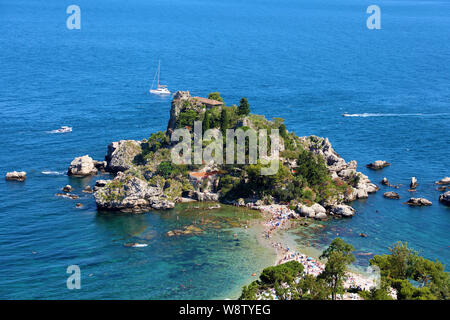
(305, 61)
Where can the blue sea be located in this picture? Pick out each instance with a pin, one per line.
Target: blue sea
(306, 61)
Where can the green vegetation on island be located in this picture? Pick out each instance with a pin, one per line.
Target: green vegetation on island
(309, 171)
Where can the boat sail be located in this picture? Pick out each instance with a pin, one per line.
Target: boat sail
(160, 89)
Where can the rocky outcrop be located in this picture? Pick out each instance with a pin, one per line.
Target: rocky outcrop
(322, 147)
(100, 184)
(417, 202)
(16, 176)
(364, 186)
(130, 194)
(315, 211)
(414, 183)
(444, 181)
(82, 167)
(100, 165)
(206, 196)
(121, 154)
(385, 182)
(391, 195)
(445, 198)
(177, 105)
(342, 210)
(339, 168)
(377, 165)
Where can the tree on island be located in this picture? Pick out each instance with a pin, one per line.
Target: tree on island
(339, 256)
(206, 121)
(215, 96)
(244, 107)
(224, 120)
(403, 265)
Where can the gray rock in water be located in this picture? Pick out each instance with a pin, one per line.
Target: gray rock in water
(444, 181)
(342, 210)
(121, 155)
(82, 166)
(417, 202)
(87, 189)
(413, 184)
(315, 211)
(445, 198)
(385, 182)
(377, 165)
(391, 195)
(16, 176)
(67, 188)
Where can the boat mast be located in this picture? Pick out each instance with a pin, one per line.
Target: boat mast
(159, 70)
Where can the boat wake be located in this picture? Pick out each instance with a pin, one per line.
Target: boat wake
(53, 173)
(365, 115)
(63, 129)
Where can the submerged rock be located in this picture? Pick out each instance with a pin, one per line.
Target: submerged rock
(377, 165)
(444, 181)
(16, 176)
(391, 195)
(441, 188)
(82, 166)
(67, 195)
(187, 230)
(419, 202)
(445, 198)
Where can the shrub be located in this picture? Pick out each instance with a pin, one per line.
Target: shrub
(244, 107)
(187, 118)
(312, 168)
(215, 96)
(283, 273)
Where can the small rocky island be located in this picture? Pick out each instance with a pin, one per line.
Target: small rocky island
(312, 178)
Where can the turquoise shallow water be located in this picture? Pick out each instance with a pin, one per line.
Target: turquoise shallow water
(308, 62)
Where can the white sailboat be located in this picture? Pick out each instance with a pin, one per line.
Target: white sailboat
(160, 89)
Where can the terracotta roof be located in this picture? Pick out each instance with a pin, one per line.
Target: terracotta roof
(203, 174)
(209, 101)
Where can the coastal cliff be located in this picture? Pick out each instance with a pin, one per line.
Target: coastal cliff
(312, 178)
